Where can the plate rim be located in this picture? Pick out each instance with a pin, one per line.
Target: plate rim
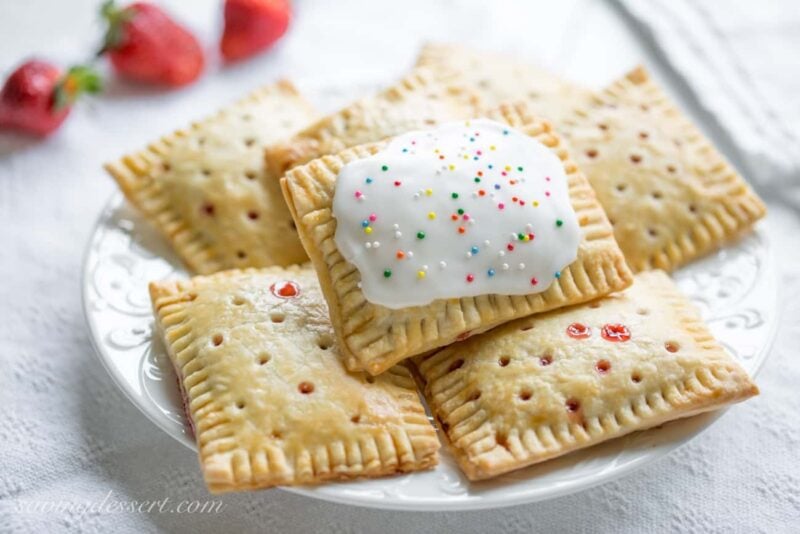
(421, 505)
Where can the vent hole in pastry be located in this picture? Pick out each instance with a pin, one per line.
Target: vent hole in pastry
(456, 365)
(276, 434)
(603, 126)
(208, 209)
(692, 208)
(573, 405)
(475, 396)
(251, 175)
(595, 304)
(622, 187)
(636, 378)
(671, 169)
(603, 366)
(672, 346)
(355, 419)
(240, 404)
(525, 395)
(241, 254)
(504, 361)
(502, 440)
(325, 342)
(263, 358)
(250, 141)
(305, 388)
(206, 172)
(201, 141)
(643, 135)
(592, 153)
(238, 300)
(370, 379)
(643, 311)
(644, 107)
(652, 232)
(545, 360)
(677, 142)
(657, 195)
(166, 166)
(636, 158)
(430, 122)
(252, 215)
(277, 317)
(217, 340)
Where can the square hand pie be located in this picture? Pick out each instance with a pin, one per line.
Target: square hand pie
(669, 193)
(419, 100)
(269, 398)
(374, 337)
(543, 386)
(500, 79)
(205, 187)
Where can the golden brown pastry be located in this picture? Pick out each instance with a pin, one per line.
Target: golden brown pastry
(422, 99)
(206, 188)
(500, 79)
(374, 337)
(543, 386)
(270, 400)
(669, 193)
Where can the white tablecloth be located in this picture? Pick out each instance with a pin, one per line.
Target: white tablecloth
(68, 436)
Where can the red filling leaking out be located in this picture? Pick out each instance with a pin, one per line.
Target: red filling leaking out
(615, 332)
(285, 289)
(463, 335)
(579, 331)
(185, 404)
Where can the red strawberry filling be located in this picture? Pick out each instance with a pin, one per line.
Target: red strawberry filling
(285, 289)
(615, 332)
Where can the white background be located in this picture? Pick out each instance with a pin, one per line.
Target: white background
(66, 433)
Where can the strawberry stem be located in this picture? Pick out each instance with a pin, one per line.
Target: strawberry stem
(78, 80)
(115, 18)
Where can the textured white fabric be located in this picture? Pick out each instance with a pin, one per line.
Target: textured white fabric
(67, 434)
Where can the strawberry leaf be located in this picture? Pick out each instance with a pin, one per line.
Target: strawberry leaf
(78, 80)
(116, 19)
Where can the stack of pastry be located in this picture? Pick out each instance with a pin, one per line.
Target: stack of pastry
(472, 232)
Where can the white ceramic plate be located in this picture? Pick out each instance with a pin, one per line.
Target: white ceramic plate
(735, 289)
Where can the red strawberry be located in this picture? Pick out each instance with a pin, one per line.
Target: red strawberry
(37, 97)
(145, 44)
(252, 26)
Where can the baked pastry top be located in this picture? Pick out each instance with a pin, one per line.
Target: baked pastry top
(500, 79)
(543, 386)
(421, 99)
(270, 400)
(207, 190)
(669, 194)
(374, 337)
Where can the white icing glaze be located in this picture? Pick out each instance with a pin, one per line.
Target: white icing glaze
(402, 202)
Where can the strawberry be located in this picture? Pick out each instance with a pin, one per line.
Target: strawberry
(37, 97)
(252, 26)
(146, 45)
